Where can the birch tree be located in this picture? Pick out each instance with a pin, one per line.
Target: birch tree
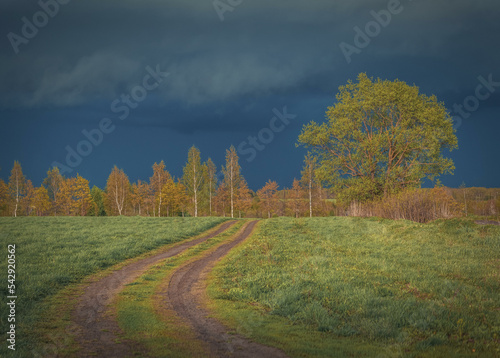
(193, 177)
(232, 175)
(211, 182)
(157, 181)
(308, 179)
(117, 190)
(17, 186)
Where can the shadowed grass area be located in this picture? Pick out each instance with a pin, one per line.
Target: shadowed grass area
(54, 252)
(365, 287)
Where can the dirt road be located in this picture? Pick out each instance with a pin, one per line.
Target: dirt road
(99, 334)
(185, 294)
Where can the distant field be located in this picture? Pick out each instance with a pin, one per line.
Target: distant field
(52, 252)
(365, 287)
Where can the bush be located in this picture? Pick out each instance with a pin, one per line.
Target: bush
(420, 205)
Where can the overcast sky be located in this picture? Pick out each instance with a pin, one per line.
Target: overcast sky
(156, 77)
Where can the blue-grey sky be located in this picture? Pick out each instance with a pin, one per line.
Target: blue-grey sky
(146, 80)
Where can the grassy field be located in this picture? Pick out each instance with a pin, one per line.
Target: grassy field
(365, 287)
(53, 252)
(321, 287)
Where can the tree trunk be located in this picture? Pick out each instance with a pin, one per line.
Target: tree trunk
(310, 199)
(210, 195)
(195, 204)
(231, 179)
(17, 196)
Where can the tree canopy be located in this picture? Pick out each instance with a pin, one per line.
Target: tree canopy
(380, 137)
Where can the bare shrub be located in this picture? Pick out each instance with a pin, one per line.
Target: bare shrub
(419, 205)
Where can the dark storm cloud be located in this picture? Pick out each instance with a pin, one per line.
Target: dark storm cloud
(97, 49)
(226, 77)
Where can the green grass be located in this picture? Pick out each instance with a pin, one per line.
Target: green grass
(365, 287)
(54, 252)
(137, 308)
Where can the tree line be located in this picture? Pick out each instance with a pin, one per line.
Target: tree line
(202, 190)
(379, 141)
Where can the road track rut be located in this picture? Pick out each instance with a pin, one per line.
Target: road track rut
(99, 334)
(186, 293)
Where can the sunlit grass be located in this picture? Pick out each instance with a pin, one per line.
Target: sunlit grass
(396, 286)
(53, 252)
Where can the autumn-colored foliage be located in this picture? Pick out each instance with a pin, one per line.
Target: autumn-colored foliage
(74, 196)
(243, 198)
(210, 183)
(117, 191)
(53, 182)
(296, 197)
(193, 177)
(4, 198)
(221, 200)
(232, 176)
(156, 183)
(174, 198)
(420, 205)
(268, 196)
(200, 192)
(41, 201)
(139, 197)
(17, 187)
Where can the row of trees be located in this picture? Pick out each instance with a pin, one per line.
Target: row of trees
(380, 140)
(202, 190)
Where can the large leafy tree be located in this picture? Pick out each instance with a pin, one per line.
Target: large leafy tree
(193, 176)
(381, 137)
